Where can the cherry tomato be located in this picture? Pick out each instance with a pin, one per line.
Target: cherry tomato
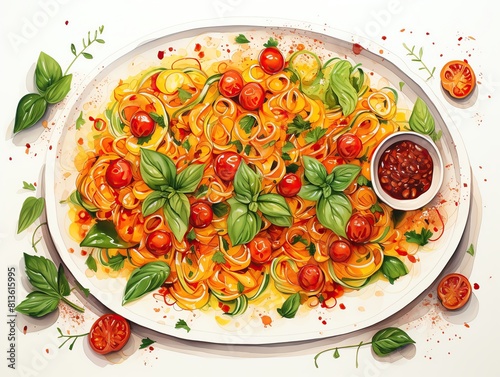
(230, 84)
(119, 173)
(349, 146)
(141, 124)
(454, 291)
(359, 228)
(201, 215)
(311, 277)
(252, 96)
(226, 165)
(289, 186)
(260, 249)
(340, 251)
(271, 60)
(159, 242)
(109, 333)
(330, 162)
(458, 78)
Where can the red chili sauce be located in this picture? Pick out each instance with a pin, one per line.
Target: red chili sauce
(405, 170)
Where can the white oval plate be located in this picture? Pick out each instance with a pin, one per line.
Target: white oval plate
(367, 307)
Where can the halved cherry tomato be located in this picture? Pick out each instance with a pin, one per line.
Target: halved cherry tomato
(349, 146)
(141, 124)
(359, 228)
(226, 165)
(289, 186)
(231, 83)
(201, 215)
(458, 78)
(260, 249)
(252, 96)
(109, 333)
(311, 277)
(340, 251)
(159, 242)
(119, 173)
(454, 291)
(271, 60)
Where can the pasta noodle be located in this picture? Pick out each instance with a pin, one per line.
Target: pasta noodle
(194, 124)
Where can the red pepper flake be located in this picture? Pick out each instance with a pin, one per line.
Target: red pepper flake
(71, 250)
(28, 145)
(476, 286)
(320, 318)
(427, 33)
(384, 37)
(201, 54)
(342, 306)
(460, 38)
(161, 54)
(402, 30)
(357, 48)
(466, 325)
(197, 47)
(170, 49)
(10, 158)
(151, 348)
(25, 330)
(66, 22)
(412, 259)
(83, 253)
(80, 141)
(46, 350)
(323, 322)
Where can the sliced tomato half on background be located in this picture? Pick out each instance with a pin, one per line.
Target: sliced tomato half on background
(458, 78)
(109, 333)
(454, 291)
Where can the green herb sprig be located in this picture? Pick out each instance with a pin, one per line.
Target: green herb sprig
(51, 83)
(383, 343)
(418, 58)
(68, 338)
(51, 287)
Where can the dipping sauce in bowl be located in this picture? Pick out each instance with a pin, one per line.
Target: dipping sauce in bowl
(407, 170)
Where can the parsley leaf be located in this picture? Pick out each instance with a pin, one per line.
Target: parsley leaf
(241, 39)
(29, 186)
(146, 343)
(292, 168)
(288, 147)
(181, 324)
(314, 135)
(191, 236)
(218, 257)
(246, 123)
(421, 238)
(271, 42)
(158, 119)
(470, 250)
(184, 95)
(297, 238)
(116, 262)
(220, 209)
(298, 125)
(91, 263)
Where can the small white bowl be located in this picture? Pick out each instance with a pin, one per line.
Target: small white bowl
(437, 171)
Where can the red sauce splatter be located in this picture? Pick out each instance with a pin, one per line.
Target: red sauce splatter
(357, 48)
(170, 49)
(342, 306)
(197, 47)
(201, 54)
(28, 145)
(161, 54)
(384, 37)
(460, 38)
(46, 350)
(83, 252)
(466, 325)
(25, 329)
(412, 259)
(427, 33)
(266, 320)
(323, 322)
(151, 348)
(476, 286)
(10, 158)
(66, 22)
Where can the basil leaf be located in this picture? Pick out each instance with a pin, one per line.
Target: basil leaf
(341, 85)
(310, 192)
(38, 304)
(144, 280)
(103, 235)
(343, 176)
(393, 268)
(153, 203)
(290, 306)
(314, 170)
(60, 89)
(157, 170)
(30, 109)
(76, 198)
(247, 184)
(220, 209)
(30, 211)
(421, 119)
(47, 72)
(62, 283)
(334, 212)
(276, 207)
(388, 340)
(246, 123)
(243, 224)
(188, 180)
(177, 210)
(42, 274)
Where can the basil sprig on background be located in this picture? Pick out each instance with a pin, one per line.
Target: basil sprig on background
(160, 173)
(244, 221)
(333, 208)
(51, 83)
(51, 287)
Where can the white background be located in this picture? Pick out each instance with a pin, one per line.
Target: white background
(461, 344)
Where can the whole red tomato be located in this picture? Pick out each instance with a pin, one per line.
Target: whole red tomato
(359, 228)
(159, 242)
(141, 124)
(201, 215)
(252, 96)
(311, 277)
(289, 186)
(226, 165)
(260, 249)
(271, 60)
(231, 83)
(119, 173)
